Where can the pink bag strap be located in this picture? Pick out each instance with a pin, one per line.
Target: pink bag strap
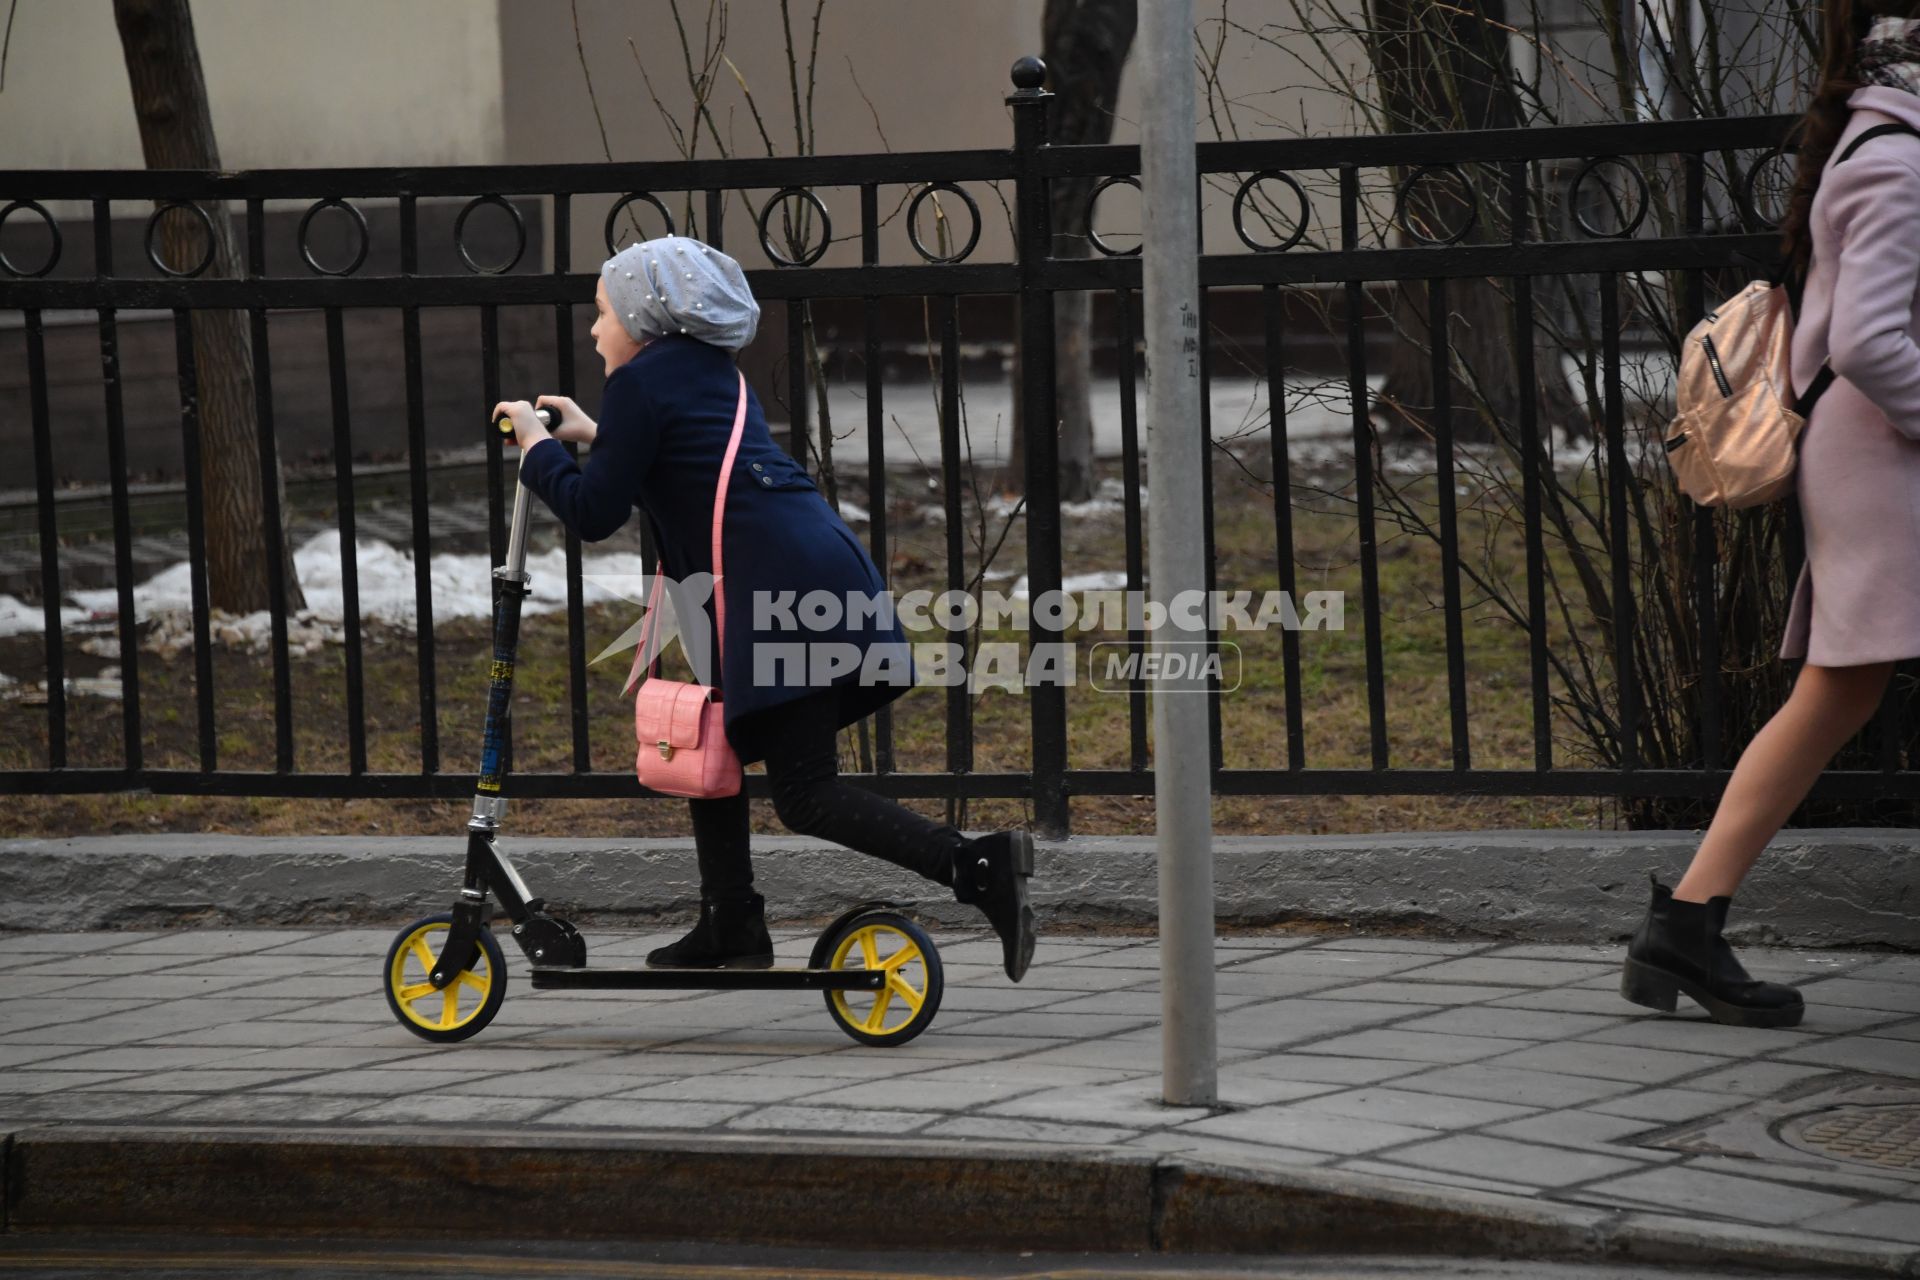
(719, 517)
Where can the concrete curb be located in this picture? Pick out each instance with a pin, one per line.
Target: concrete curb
(797, 1191)
(1815, 887)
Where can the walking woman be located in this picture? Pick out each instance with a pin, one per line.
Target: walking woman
(671, 313)
(1852, 229)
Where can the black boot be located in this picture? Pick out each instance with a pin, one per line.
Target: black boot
(991, 873)
(1678, 948)
(731, 934)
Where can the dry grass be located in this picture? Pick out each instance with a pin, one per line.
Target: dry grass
(1332, 693)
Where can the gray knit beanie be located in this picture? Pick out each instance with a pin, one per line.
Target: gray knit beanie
(676, 284)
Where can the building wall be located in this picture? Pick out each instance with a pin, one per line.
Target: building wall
(291, 84)
(935, 74)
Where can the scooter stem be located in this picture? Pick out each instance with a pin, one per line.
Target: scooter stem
(510, 588)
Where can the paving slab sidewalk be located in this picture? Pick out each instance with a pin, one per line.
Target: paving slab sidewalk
(1488, 1069)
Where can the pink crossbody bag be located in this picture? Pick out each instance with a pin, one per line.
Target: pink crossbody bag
(681, 726)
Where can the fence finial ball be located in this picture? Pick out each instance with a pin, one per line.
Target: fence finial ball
(1029, 73)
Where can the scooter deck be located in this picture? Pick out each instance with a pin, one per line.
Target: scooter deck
(552, 977)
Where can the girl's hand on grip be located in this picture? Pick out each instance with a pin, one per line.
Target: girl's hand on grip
(574, 424)
(527, 430)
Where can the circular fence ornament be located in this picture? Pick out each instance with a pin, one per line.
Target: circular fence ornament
(206, 225)
(519, 233)
(1413, 180)
(620, 207)
(1643, 198)
(913, 229)
(1093, 198)
(812, 255)
(1240, 198)
(1778, 189)
(360, 225)
(53, 229)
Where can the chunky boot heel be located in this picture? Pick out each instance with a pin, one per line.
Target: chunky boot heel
(1023, 852)
(1649, 987)
(1678, 948)
(991, 873)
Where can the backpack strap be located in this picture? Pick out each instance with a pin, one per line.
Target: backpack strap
(1867, 135)
(719, 517)
(1796, 284)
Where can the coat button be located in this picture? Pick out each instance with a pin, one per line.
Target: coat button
(758, 467)
(766, 479)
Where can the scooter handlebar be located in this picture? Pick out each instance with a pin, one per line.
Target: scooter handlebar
(548, 415)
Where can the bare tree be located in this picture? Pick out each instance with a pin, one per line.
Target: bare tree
(176, 132)
(1084, 44)
(1481, 63)
(1441, 68)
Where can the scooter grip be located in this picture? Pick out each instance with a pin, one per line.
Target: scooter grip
(548, 415)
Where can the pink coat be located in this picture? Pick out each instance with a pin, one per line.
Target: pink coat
(1857, 599)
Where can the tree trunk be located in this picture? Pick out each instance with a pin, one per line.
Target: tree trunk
(1442, 69)
(176, 132)
(1084, 44)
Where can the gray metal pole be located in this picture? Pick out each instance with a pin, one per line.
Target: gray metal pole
(1176, 556)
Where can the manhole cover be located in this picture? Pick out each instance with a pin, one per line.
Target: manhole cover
(1884, 1137)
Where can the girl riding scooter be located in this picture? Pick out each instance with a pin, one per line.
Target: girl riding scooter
(670, 314)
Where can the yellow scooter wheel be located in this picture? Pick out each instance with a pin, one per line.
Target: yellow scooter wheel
(464, 1006)
(906, 1005)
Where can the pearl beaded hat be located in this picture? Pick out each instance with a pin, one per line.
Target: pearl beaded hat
(676, 284)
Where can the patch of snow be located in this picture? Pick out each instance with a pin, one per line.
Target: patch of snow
(17, 617)
(853, 513)
(459, 586)
(1103, 580)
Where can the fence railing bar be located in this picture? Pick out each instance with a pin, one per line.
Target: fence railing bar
(349, 541)
(952, 485)
(490, 395)
(877, 545)
(1646, 137)
(716, 218)
(1281, 466)
(1851, 784)
(904, 167)
(271, 525)
(1137, 710)
(797, 416)
(1519, 215)
(1620, 527)
(1439, 344)
(133, 750)
(791, 285)
(189, 379)
(1705, 553)
(417, 471)
(576, 589)
(1216, 755)
(1359, 395)
(50, 592)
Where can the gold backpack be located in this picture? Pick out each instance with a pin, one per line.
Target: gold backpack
(1735, 437)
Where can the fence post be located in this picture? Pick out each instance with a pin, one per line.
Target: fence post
(1047, 701)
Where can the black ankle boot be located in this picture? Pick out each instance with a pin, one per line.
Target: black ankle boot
(731, 934)
(991, 873)
(1678, 948)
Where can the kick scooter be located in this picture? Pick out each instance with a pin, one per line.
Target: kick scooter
(445, 975)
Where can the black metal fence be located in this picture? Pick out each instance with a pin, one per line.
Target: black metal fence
(1276, 264)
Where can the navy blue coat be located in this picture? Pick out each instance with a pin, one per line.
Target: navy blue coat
(664, 424)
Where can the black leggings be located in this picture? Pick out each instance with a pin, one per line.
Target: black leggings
(798, 742)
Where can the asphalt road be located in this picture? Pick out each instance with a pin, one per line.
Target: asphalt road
(68, 1258)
